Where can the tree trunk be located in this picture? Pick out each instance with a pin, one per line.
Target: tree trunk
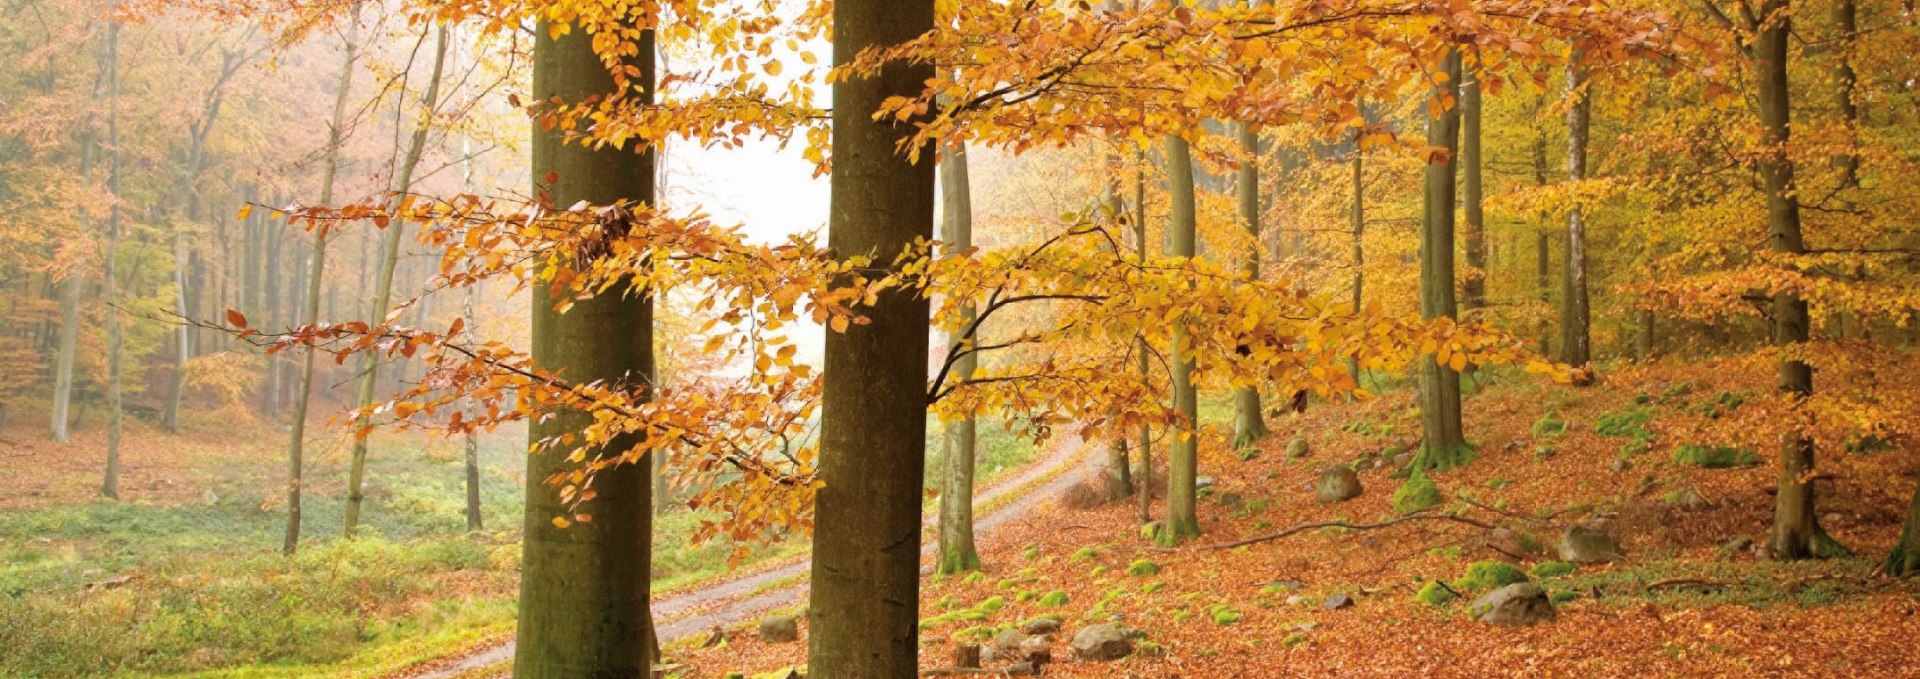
(1119, 466)
(957, 552)
(1444, 446)
(1543, 247)
(1145, 474)
(584, 589)
(1182, 520)
(1473, 287)
(864, 606)
(1359, 222)
(272, 235)
(1249, 425)
(1793, 535)
(1576, 312)
(389, 256)
(116, 338)
(69, 337)
(316, 274)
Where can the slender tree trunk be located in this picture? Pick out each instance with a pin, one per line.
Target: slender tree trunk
(864, 607)
(383, 285)
(183, 339)
(1543, 247)
(1359, 224)
(316, 274)
(1445, 445)
(1249, 424)
(1142, 350)
(957, 552)
(1473, 287)
(471, 441)
(273, 236)
(116, 339)
(1793, 535)
(1183, 520)
(1119, 465)
(584, 589)
(69, 338)
(1576, 347)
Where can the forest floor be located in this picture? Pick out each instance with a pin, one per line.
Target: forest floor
(1691, 599)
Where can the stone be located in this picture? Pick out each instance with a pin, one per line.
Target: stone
(1402, 459)
(779, 629)
(1005, 646)
(1101, 643)
(1337, 602)
(1035, 650)
(1620, 465)
(1298, 448)
(1692, 500)
(1581, 544)
(1040, 626)
(1338, 483)
(1021, 669)
(1295, 600)
(1516, 605)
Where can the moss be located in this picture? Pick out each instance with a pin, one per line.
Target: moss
(1551, 569)
(1143, 568)
(1293, 640)
(1084, 554)
(1434, 594)
(1549, 425)
(1054, 599)
(1030, 553)
(1629, 423)
(1714, 457)
(1416, 494)
(1223, 614)
(1097, 571)
(1151, 587)
(973, 577)
(1561, 596)
(1485, 575)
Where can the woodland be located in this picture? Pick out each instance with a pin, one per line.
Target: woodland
(894, 338)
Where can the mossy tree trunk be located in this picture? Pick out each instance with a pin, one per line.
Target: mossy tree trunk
(584, 589)
(1182, 520)
(864, 606)
(957, 552)
(1444, 443)
(1249, 423)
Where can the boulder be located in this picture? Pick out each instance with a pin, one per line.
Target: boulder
(1005, 646)
(1337, 602)
(779, 629)
(1035, 650)
(1516, 605)
(1581, 544)
(1338, 483)
(1298, 448)
(1040, 626)
(1101, 643)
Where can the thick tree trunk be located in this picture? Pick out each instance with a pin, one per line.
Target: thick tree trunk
(1445, 445)
(69, 337)
(957, 552)
(584, 589)
(1576, 312)
(383, 286)
(864, 607)
(1794, 530)
(1182, 520)
(1249, 423)
(1473, 287)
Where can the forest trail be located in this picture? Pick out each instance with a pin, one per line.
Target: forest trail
(730, 602)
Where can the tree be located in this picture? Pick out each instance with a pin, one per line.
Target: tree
(1473, 288)
(864, 605)
(316, 271)
(1182, 518)
(389, 256)
(116, 337)
(957, 552)
(1249, 423)
(1445, 445)
(1575, 308)
(584, 592)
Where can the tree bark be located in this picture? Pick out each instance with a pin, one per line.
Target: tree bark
(69, 336)
(1473, 287)
(1145, 474)
(1359, 224)
(116, 338)
(1576, 312)
(864, 606)
(957, 551)
(1543, 247)
(1182, 520)
(383, 286)
(1445, 445)
(1249, 423)
(584, 588)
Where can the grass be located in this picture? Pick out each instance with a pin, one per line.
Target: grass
(997, 451)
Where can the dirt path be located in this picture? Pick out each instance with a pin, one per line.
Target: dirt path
(733, 601)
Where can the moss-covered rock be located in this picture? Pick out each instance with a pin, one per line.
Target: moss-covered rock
(1143, 568)
(1416, 494)
(1435, 594)
(1551, 569)
(1485, 575)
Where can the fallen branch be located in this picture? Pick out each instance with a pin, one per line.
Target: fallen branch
(957, 671)
(1316, 525)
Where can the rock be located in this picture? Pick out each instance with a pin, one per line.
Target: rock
(1402, 459)
(1692, 500)
(1298, 448)
(1035, 650)
(1202, 482)
(779, 629)
(1005, 646)
(1515, 445)
(1021, 669)
(1101, 643)
(209, 498)
(1620, 465)
(1337, 602)
(1516, 605)
(1338, 483)
(1581, 544)
(1295, 600)
(1040, 626)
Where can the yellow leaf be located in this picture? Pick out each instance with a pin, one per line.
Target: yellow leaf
(561, 522)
